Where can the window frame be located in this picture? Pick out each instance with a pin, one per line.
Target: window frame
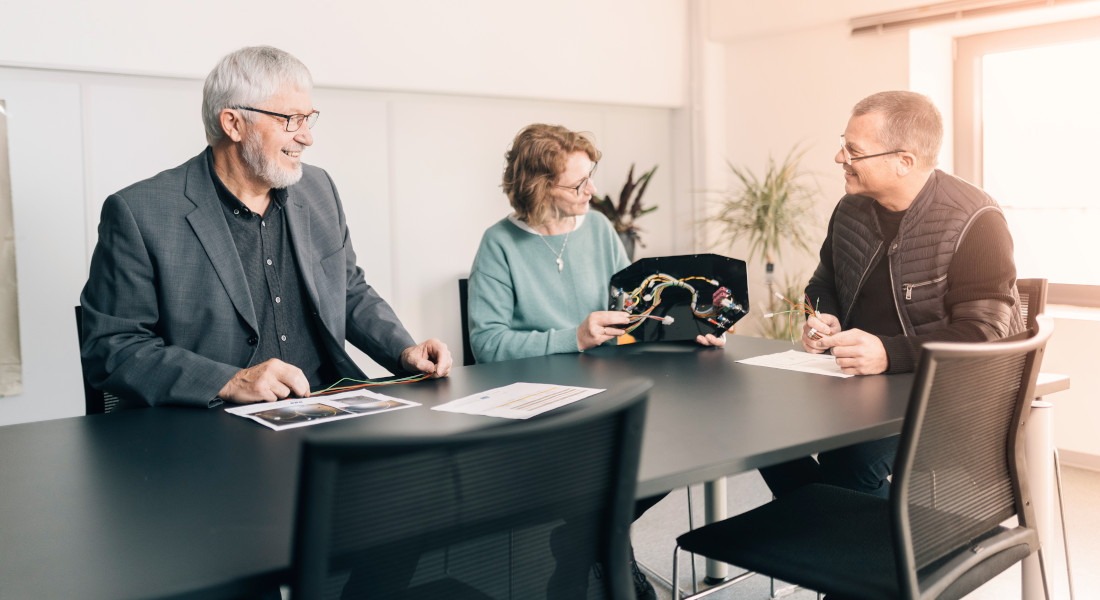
(968, 52)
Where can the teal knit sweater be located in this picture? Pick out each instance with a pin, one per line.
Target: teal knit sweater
(520, 305)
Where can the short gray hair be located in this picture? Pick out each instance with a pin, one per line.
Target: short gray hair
(910, 122)
(248, 77)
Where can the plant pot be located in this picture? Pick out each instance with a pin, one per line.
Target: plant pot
(628, 244)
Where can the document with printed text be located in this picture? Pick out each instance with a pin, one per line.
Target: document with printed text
(793, 360)
(518, 401)
(301, 412)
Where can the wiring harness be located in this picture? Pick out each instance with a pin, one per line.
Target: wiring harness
(347, 384)
(803, 307)
(641, 302)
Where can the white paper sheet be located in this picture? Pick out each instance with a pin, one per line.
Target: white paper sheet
(793, 360)
(518, 401)
(302, 412)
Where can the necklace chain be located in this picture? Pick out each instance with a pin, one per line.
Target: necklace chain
(558, 253)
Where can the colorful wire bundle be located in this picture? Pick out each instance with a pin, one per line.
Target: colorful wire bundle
(660, 281)
(637, 320)
(336, 387)
(804, 308)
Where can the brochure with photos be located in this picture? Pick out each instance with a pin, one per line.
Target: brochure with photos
(302, 412)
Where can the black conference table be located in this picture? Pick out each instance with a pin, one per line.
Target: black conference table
(180, 501)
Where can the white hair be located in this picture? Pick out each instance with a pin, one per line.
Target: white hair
(248, 77)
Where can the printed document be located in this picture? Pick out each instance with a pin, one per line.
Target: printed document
(793, 360)
(518, 401)
(302, 412)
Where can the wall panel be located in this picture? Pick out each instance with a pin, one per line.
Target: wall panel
(614, 51)
(135, 128)
(44, 130)
(419, 175)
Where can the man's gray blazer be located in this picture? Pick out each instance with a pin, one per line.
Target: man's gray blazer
(168, 317)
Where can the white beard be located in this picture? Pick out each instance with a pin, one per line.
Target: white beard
(267, 170)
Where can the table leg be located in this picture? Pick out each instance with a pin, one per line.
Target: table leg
(714, 501)
(1040, 469)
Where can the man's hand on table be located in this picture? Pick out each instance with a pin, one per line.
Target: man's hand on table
(268, 381)
(431, 356)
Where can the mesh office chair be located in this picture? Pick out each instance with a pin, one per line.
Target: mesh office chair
(368, 509)
(1033, 302)
(96, 402)
(1033, 299)
(468, 359)
(464, 312)
(960, 472)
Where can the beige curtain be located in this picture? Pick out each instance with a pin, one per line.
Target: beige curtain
(11, 361)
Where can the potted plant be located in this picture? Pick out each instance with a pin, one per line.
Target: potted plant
(769, 211)
(623, 213)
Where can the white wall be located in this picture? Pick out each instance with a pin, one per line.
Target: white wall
(615, 51)
(796, 83)
(47, 180)
(1076, 410)
(798, 88)
(419, 102)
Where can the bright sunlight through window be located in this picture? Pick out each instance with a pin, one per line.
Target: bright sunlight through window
(1041, 145)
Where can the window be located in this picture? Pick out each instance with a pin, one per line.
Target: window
(1028, 132)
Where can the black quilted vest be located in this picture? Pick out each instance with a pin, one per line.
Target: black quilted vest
(919, 256)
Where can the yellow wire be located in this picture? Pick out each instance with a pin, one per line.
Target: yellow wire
(336, 387)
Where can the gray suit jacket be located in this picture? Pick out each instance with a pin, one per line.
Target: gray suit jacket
(168, 317)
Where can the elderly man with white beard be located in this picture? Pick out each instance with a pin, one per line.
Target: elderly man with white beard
(232, 277)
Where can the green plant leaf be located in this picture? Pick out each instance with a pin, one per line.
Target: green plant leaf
(628, 188)
(623, 212)
(636, 207)
(603, 205)
(770, 210)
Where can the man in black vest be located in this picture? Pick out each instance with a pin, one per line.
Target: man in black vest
(912, 255)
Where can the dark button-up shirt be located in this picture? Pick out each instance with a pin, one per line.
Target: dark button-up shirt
(288, 329)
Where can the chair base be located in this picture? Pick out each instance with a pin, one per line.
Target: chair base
(1062, 513)
(678, 594)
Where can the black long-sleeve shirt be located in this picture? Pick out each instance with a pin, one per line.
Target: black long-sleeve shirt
(981, 269)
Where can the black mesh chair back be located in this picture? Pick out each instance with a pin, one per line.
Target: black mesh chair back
(960, 470)
(959, 474)
(370, 510)
(1033, 299)
(463, 300)
(96, 402)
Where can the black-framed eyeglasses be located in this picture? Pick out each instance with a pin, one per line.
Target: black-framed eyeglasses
(293, 122)
(849, 159)
(583, 184)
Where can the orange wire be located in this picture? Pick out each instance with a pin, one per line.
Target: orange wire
(348, 388)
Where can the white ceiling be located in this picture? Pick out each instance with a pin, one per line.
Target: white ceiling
(736, 20)
(732, 20)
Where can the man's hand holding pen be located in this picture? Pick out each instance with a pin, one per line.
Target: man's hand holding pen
(856, 351)
(817, 327)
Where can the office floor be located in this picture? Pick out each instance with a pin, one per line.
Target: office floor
(654, 538)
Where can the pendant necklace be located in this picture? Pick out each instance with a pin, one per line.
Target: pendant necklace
(558, 254)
